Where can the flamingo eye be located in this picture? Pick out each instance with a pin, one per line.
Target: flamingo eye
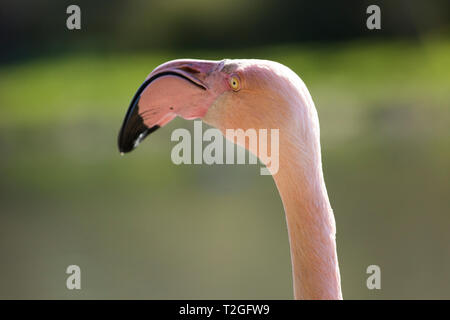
(235, 83)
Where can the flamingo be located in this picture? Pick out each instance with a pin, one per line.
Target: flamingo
(258, 94)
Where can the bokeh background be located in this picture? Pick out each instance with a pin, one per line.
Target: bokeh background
(141, 227)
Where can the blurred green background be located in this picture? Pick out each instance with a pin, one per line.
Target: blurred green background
(141, 227)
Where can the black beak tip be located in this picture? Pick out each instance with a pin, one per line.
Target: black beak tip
(131, 136)
(133, 130)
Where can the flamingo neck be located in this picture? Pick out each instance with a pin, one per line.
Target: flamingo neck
(310, 222)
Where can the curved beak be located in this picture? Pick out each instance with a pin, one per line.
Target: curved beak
(177, 87)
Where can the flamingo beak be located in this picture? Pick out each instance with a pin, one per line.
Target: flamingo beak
(176, 88)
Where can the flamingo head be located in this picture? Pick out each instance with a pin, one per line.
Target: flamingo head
(227, 94)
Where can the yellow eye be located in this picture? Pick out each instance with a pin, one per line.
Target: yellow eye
(235, 83)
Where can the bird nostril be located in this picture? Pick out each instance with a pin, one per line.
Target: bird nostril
(189, 69)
